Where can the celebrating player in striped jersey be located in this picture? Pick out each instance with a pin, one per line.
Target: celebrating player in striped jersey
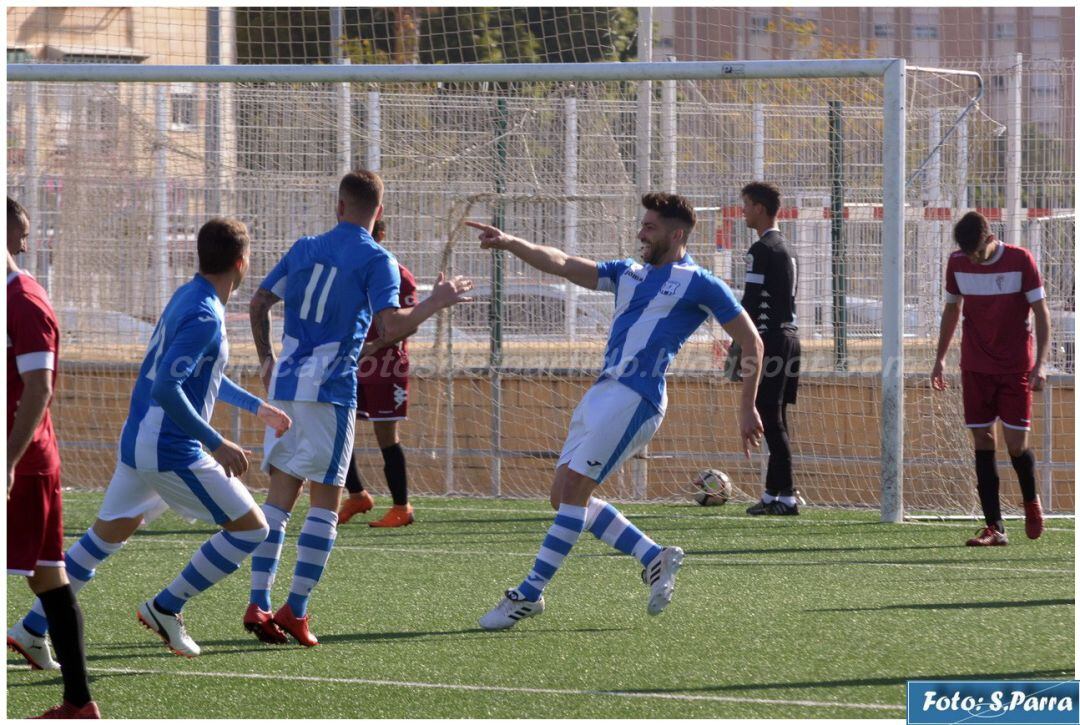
(35, 525)
(332, 285)
(998, 286)
(658, 305)
(162, 462)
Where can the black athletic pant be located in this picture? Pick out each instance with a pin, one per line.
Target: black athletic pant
(778, 389)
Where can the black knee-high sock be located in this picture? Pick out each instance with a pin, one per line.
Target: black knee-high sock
(66, 631)
(354, 482)
(986, 472)
(394, 468)
(1024, 465)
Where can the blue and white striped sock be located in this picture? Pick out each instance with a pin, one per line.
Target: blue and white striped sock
(312, 550)
(216, 559)
(561, 537)
(264, 562)
(81, 562)
(607, 524)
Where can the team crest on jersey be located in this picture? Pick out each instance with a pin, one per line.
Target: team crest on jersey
(749, 261)
(669, 288)
(1000, 282)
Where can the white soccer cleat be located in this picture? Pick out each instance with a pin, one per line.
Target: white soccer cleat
(659, 576)
(33, 648)
(170, 627)
(512, 609)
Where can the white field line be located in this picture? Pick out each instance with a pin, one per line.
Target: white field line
(973, 524)
(493, 688)
(169, 541)
(791, 521)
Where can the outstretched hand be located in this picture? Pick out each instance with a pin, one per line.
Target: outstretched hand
(490, 237)
(451, 291)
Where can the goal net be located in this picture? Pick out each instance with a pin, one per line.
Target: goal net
(119, 176)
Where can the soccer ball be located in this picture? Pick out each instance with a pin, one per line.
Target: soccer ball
(714, 488)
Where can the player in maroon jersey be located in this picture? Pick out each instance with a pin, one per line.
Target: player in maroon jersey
(35, 526)
(998, 286)
(383, 398)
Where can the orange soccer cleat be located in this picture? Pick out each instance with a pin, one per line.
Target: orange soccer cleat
(67, 711)
(1033, 518)
(296, 626)
(261, 624)
(396, 516)
(356, 503)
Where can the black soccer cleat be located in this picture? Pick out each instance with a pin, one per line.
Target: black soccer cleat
(774, 508)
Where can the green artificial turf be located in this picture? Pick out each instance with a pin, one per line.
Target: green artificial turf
(821, 616)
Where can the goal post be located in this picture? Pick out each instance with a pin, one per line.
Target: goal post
(596, 117)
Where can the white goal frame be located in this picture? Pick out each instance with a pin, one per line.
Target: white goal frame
(892, 71)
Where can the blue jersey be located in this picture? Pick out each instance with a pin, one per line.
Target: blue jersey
(656, 310)
(179, 380)
(332, 285)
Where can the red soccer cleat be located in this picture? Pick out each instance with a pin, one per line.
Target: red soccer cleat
(67, 711)
(396, 516)
(989, 537)
(359, 503)
(261, 624)
(1033, 518)
(296, 626)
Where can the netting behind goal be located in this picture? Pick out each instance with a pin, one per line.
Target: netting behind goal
(119, 177)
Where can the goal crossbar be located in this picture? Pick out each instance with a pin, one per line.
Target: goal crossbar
(450, 72)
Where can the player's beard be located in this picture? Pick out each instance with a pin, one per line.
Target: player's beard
(653, 251)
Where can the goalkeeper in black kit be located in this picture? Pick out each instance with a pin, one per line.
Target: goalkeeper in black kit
(769, 299)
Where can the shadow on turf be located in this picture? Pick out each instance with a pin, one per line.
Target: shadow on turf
(957, 605)
(214, 647)
(862, 682)
(958, 563)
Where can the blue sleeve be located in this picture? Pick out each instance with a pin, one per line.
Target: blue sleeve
(608, 273)
(275, 281)
(383, 285)
(175, 366)
(232, 394)
(715, 297)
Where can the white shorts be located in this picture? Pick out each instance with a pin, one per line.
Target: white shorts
(202, 491)
(610, 424)
(318, 446)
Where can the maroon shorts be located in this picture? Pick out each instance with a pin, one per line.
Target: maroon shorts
(35, 519)
(384, 400)
(989, 396)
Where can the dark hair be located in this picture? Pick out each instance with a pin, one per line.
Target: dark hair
(970, 231)
(378, 229)
(362, 190)
(764, 193)
(671, 206)
(15, 210)
(221, 242)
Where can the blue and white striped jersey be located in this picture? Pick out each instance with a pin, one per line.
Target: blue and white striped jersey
(179, 380)
(656, 310)
(332, 285)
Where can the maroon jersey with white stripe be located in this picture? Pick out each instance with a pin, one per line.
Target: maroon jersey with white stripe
(389, 364)
(997, 297)
(33, 343)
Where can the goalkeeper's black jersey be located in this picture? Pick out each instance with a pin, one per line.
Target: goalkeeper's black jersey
(771, 277)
